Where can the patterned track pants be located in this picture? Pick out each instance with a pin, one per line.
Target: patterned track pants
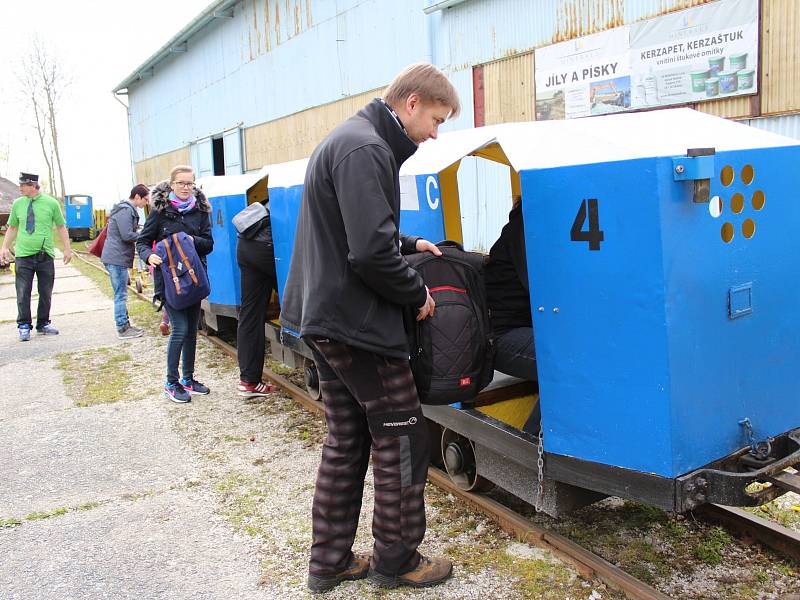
(371, 404)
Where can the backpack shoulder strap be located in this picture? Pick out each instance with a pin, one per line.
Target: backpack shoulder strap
(171, 263)
(184, 259)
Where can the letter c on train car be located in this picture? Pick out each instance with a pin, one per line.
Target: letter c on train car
(433, 199)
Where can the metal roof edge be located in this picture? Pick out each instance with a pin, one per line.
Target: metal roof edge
(212, 11)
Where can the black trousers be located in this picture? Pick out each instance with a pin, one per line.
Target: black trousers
(257, 265)
(43, 267)
(371, 407)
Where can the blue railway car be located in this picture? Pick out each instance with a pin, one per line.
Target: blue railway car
(662, 300)
(227, 195)
(79, 216)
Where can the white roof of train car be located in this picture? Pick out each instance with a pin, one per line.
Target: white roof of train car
(548, 144)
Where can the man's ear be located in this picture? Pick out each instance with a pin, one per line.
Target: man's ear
(412, 102)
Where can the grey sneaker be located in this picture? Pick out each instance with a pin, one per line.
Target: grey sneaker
(128, 331)
(46, 329)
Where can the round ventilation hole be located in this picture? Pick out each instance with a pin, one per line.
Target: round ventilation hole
(758, 200)
(748, 228)
(727, 232)
(737, 203)
(715, 206)
(748, 174)
(727, 175)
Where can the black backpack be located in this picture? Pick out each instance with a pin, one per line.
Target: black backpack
(452, 353)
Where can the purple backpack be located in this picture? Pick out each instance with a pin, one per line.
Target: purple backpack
(185, 278)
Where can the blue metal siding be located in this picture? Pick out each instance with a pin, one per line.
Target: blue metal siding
(233, 73)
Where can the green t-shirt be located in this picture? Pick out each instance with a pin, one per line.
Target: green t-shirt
(47, 212)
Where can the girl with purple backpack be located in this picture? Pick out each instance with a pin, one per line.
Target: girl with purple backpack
(178, 206)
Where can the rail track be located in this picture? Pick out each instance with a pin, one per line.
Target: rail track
(588, 564)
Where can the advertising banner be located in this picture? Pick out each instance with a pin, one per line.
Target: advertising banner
(702, 53)
(570, 75)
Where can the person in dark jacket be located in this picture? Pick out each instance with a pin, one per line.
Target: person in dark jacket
(508, 299)
(509, 302)
(178, 206)
(119, 251)
(256, 258)
(347, 286)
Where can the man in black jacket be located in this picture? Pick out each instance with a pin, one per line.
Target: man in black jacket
(346, 290)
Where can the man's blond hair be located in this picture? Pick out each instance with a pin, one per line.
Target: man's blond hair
(428, 82)
(180, 169)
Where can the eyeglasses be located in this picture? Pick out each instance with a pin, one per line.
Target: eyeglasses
(183, 184)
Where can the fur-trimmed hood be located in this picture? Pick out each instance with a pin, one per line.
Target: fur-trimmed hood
(159, 196)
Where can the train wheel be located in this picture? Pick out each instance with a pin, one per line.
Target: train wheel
(458, 455)
(311, 378)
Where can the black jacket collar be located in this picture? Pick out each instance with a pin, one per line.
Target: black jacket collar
(389, 130)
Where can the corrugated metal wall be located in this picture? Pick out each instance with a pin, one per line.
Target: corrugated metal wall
(285, 71)
(780, 71)
(157, 168)
(272, 59)
(509, 90)
(297, 135)
(505, 80)
(788, 125)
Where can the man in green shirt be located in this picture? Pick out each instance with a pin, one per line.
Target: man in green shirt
(30, 223)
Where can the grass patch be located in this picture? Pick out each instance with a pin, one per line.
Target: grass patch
(775, 511)
(244, 499)
(48, 514)
(40, 516)
(709, 550)
(9, 522)
(97, 376)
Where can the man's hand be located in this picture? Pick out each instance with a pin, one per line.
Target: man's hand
(426, 310)
(67, 255)
(426, 246)
(5, 255)
(154, 259)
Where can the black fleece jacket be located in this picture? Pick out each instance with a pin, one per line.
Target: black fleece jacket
(164, 220)
(506, 277)
(348, 280)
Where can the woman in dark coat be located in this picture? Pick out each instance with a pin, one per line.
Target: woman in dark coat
(178, 206)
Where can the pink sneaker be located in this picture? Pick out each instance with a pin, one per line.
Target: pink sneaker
(254, 390)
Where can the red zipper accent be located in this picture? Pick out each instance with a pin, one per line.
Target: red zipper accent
(448, 288)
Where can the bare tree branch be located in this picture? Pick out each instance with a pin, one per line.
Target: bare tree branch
(30, 85)
(44, 81)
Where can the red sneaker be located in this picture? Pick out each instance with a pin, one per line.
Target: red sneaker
(254, 390)
(164, 327)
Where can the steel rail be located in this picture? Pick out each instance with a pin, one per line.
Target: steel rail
(751, 527)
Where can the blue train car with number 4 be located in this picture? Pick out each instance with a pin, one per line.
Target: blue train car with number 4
(664, 311)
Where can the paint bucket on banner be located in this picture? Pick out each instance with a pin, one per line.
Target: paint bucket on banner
(699, 80)
(716, 65)
(744, 79)
(712, 87)
(727, 82)
(738, 62)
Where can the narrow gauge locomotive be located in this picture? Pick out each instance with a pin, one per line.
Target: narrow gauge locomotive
(663, 295)
(83, 221)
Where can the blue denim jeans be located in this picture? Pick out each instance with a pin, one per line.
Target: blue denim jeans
(515, 353)
(516, 356)
(119, 282)
(182, 340)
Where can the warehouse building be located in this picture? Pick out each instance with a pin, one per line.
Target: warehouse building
(254, 82)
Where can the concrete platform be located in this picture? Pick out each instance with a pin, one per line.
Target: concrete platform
(169, 546)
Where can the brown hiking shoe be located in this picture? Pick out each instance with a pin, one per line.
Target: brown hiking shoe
(429, 572)
(357, 569)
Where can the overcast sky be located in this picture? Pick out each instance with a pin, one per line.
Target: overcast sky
(99, 43)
